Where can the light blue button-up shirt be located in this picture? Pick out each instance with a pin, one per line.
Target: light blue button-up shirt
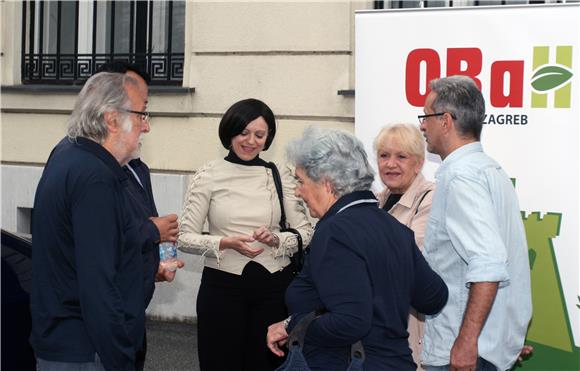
(475, 234)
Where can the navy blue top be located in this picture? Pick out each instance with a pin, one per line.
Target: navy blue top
(141, 195)
(364, 271)
(87, 292)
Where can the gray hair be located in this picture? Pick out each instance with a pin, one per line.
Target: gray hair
(459, 96)
(332, 155)
(101, 93)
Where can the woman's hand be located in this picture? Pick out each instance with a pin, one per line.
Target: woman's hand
(240, 244)
(277, 337)
(265, 236)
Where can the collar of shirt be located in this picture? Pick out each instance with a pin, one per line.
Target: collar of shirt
(348, 200)
(134, 174)
(457, 154)
(256, 161)
(408, 198)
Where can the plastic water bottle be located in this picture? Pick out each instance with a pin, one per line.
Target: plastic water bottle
(168, 255)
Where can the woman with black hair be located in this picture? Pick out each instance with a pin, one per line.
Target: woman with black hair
(246, 256)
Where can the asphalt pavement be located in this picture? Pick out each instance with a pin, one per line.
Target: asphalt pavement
(171, 346)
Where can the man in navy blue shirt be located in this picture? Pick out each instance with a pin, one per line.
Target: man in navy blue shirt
(87, 303)
(153, 228)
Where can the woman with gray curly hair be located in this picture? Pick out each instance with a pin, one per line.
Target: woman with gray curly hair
(364, 270)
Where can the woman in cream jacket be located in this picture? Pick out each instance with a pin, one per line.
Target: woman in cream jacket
(246, 269)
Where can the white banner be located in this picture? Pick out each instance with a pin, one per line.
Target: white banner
(525, 59)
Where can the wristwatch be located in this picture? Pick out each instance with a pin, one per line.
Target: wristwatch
(287, 322)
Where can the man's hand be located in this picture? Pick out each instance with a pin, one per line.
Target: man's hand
(167, 275)
(276, 337)
(526, 351)
(240, 244)
(464, 355)
(167, 227)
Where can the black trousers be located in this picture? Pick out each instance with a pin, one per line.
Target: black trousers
(233, 315)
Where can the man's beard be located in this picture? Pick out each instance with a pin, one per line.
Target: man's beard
(137, 152)
(127, 126)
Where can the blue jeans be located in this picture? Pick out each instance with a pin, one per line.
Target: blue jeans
(482, 365)
(44, 365)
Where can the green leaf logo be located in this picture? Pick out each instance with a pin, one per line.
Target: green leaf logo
(550, 77)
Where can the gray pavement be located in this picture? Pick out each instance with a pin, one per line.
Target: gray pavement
(171, 346)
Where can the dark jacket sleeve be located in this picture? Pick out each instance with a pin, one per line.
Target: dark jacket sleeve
(344, 286)
(144, 175)
(430, 292)
(150, 255)
(98, 239)
(149, 235)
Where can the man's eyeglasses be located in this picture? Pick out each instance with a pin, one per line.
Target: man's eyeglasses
(144, 115)
(423, 117)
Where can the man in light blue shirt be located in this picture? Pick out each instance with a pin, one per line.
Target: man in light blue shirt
(475, 240)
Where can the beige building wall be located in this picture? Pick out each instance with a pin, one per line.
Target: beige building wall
(294, 55)
(10, 42)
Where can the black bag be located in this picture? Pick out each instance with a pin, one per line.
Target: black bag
(297, 259)
(296, 361)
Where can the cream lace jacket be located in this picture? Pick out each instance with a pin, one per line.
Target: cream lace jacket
(235, 200)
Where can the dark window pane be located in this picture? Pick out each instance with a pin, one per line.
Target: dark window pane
(65, 42)
(178, 27)
(67, 27)
(122, 26)
(435, 4)
(404, 4)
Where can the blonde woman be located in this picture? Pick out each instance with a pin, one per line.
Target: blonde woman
(400, 150)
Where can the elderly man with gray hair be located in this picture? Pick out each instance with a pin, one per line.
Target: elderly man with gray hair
(87, 301)
(475, 240)
(364, 270)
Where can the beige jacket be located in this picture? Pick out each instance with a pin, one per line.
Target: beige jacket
(413, 211)
(236, 200)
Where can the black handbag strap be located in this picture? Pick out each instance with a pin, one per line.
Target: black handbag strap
(357, 351)
(283, 227)
(278, 184)
(421, 200)
(298, 333)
